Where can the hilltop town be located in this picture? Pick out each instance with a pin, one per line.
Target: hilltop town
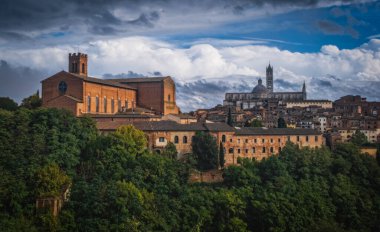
(149, 103)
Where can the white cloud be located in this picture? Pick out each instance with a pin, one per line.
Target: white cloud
(235, 67)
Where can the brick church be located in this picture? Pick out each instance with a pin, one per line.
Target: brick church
(81, 94)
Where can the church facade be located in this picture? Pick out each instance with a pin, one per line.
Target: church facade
(76, 91)
(261, 93)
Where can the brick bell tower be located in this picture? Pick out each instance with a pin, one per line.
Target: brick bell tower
(78, 63)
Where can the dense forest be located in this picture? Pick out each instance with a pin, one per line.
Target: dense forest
(118, 185)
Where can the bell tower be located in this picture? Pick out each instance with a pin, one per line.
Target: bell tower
(269, 78)
(78, 63)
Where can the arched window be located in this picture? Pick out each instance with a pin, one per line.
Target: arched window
(223, 138)
(119, 105)
(168, 97)
(112, 105)
(88, 104)
(271, 150)
(97, 104)
(126, 104)
(105, 104)
(184, 139)
(83, 71)
(176, 140)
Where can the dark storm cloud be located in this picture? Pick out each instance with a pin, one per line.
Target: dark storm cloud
(19, 82)
(19, 18)
(130, 74)
(286, 84)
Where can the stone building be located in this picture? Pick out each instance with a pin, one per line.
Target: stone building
(255, 143)
(81, 94)
(261, 94)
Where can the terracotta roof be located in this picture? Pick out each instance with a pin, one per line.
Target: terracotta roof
(274, 131)
(153, 126)
(140, 79)
(123, 115)
(217, 126)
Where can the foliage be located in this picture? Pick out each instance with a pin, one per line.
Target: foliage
(170, 151)
(32, 102)
(254, 123)
(205, 150)
(118, 185)
(7, 103)
(281, 123)
(230, 120)
(358, 138)
(50, 181)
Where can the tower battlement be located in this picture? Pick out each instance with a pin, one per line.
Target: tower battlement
(78, 63)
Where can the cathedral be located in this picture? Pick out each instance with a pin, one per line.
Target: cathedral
(81, 94)
(261, 94)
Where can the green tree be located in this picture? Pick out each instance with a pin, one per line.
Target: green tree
(170, 151)
(358, 138)
(230, 120)
(50, 181)
(281, 123)
(32, 102)
(221, 155)
(205, 150)
(7, 103)
(254, 123)
(133, 139)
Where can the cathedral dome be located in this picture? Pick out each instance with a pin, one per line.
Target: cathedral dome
(260, 88)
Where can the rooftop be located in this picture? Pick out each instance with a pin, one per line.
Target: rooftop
(274, 131)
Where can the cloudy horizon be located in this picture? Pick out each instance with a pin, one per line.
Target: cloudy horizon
(208, 48)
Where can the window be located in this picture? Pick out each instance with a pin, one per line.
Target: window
(246, 151)
(238, 151)
(316, 138)
(119, 105)
(161, 139)
(169, 97)
(112, 105)
(105, 104)
(255, 140)
(231, 140)
(263, 149)
(184, 139)
(176, 139)
(298, 138)
(253, 150)
(271, 140)
(126, 104)
(83, 71)
(279, 140)
(72, 67)
(271, 150)
(246, 141)
(231, 150)
(97, 104)
(307, 138)
(223, 138)
(62, 87)
(288, 138)
(280, 149)
(88, 104)
(263, 140)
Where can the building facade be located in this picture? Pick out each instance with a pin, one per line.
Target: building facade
(251, 143)
(76, 91)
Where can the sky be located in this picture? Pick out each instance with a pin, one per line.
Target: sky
(209, 47)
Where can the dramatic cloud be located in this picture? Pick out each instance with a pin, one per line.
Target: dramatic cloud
(204, 73)
(80, 20)
(19, 82)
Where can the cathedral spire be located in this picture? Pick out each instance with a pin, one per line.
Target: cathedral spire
(304, 90)
(269, 77)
